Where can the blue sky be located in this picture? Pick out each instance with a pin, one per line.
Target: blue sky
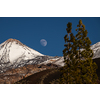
(30, 30)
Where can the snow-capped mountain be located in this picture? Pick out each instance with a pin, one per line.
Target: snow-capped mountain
(15, 54)
(12, 49)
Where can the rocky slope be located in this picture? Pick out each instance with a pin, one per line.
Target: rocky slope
(13, 75)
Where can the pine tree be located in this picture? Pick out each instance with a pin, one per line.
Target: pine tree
(79, 66)
(69, 56)
(85, 54)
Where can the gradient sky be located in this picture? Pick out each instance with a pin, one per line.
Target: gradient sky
(30, 30)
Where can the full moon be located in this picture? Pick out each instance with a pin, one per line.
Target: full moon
(43, 42)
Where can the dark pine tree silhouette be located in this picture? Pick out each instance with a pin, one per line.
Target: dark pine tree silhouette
(79, 67)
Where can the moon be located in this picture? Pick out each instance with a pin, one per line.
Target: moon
(43, 42)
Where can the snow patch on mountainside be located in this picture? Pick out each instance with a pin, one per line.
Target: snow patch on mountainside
(58, 61)
(17, 51)
(97, 45)
(96, 50)
(49, 61)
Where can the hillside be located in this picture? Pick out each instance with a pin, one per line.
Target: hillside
(49, 76)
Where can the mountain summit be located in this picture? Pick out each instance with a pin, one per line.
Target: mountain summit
(13, 49)
(13, 52)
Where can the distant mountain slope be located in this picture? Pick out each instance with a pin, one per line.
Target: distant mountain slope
(96, 50)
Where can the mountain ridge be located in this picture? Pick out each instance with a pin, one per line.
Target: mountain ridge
(15, 54)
